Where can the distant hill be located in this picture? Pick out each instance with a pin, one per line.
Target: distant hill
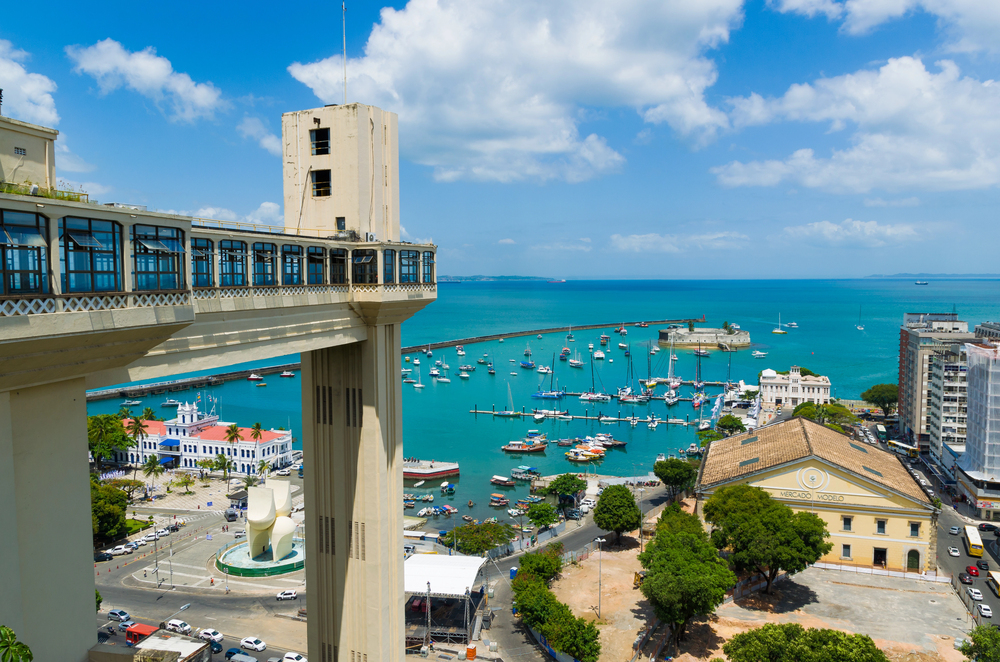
(923, 276)
(459, 279)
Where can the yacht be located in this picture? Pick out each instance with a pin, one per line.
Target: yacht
(131, 403)
(701, 352)
(757, 354)
(170, 402)
(463, 375)
(622, 345)
(416, 361)
(575, 363)
(590, 346)
(544, 370)
(792, 325)
(598, 355)
(778, 328)
(254, 377)
(287, 373)
(406, 371)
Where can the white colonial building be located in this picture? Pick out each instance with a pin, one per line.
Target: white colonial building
(194, 435)
(793, 388)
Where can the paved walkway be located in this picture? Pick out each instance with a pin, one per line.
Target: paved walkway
(200, 496)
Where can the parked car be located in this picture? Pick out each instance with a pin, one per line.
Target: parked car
(590, 503)
(965, 578)
(953, 551)
(987, 527)
(139, 542)
(283, 472)
(174, 528)
(210, 635)
(102, 556)
(132, 545)
(231, 515)
(255, 644)
(954, 530)
(240, 533)
(573, 513)
(216, 647)
(151, 537)
(163, 532)
(983, 565)
(288, 595)
(177, 625)
(972, 570)
(124, 625)
(985, 611)
(294, 657)
(118, 615)
(231, 652)
(974, 593)
(122, 549)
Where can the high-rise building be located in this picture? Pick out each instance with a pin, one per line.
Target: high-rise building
(921, 336)
(947, 408)
(979, 475)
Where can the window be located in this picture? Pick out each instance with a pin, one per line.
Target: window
(233, 263)
(914, 529)
(320, 139)
(201, 263)
(388, 266)
(408, 266)
(20, 151)
(365, 269)
(24, 251)
(291, 261)
(156, 257)
(845, 552)
(341, 223)
(264, 259)
(316, 263)
(90, 253)
(321, 183)
(428, 266)
(338, 266)
(847, 523)
(880, 526)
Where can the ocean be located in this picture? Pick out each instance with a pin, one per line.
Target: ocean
(436, 420)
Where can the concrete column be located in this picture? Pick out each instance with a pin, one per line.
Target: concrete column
(352, 443)
(45, 555)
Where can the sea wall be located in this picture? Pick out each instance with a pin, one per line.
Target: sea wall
(708, 338)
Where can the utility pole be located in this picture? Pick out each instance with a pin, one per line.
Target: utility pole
(600, 574)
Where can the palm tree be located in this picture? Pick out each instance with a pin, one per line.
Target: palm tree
(233, 434)
(249, 481)
(136, 429)
(125, 412)
(256, 433)
(262, 468)
(152, 467)
(12, 650)
(225, 465)
(148, 414)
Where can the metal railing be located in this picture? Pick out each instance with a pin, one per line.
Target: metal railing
(262, 228)
(50, 193)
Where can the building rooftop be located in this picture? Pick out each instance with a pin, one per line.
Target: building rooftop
(212, 432)
(799, 438)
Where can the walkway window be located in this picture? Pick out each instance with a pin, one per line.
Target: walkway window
(24, 252)
(90, 253)
(291, 264)
(409, 264)
(201, 263)
(338, 266)
(365, 267)
(264, 259)
(316, 265)
(321, 183)
(233, 263)
(156, 257)
(428, 266)
(320, 139)
(388, 266)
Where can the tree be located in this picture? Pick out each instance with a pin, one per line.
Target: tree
(831, 414)
(185, 481)
(152, 468)
(127, 485)
(107, 510)
(790, 642)
(136, 429)
(675, 520)
(249, 481)
(705, 437)
(567, 485)
(256, 432)
(12, 650)
(262, 467)
(106, 436)
(617, 511)
(544, 564)
(233, 434)
(729, 425)
(124, 412)
(474, 539)
(542, 515)
(675, 474)
(883, 396)
(148, 414)
(224, 464)
(541, 610)
(685, 577)
(764, 535)
(983, 644)
(691, 327)
(99, 599)
(206, 465)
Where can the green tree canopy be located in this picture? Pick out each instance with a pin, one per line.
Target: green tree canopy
(675, 474)
(542, 515)
(541, 610)
(99, 599)
(617, 511)
(256, 432)
(544, 564)
(764, 535)
(185, 481)
(675, 520)
(148, 414)
(685, 577)
(105, 436)
(567, 484)
(127, 485)
(790, 642)
(983, 644)
(233, 434)
(12, 650)
(831, 414)
(883, 396)
(729, 425)
(107, 509)
(705, 437)
(474, 539)
(249, 481)
(152, 468)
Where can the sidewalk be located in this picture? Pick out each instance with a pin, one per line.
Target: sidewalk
(200, 496)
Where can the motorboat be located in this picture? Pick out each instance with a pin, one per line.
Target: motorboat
(604, 339)
(443, 380)
(131, 403)
(254, 377)
(598, 355)
(792, 325)
(595, 397)
(481, 361)
(434, 372)
(170, 402)
(757, 354)
(467, 368)
(671, 400)
(528, 365)
(409, 380)
(544, 370)
(622, 345)
(463, 375)
(287, 373)
(460, 350)
(539, 418)
(416, 361)
(503, 481)
(419, 483)
(500, 340)
(406, 371)
(539, 336)
(498, 501)
(521, 446)
(259, 384)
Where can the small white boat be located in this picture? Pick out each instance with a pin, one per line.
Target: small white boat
(419, 483)
(501, 340)
(622, 345)
(792, 325)
(409, 380)
(598, 355)
(416, 361)
(434, 372)
(590, 346)
(419, 385)
(443, 380)
(254, 377)
(170, 402)
(406, 371)
(539, 418)
(131, 403)
(287, 373)
(463, 375)
(545, 370)
(757, 354)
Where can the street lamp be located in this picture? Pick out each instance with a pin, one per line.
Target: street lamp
(600, 574)
(642, 518)
(163, 625)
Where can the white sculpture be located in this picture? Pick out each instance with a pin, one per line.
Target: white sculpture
(268, 521)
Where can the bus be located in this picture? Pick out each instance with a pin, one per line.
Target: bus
(902, 449)
(973, 542)
(993, 580)
(137, 633)
(880, 432)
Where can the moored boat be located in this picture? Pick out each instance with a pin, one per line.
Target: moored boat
(287, 373)
(425, 469)
(254, 377)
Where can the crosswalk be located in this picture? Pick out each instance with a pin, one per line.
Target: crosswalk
(147, 575)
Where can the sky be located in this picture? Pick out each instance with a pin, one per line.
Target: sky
(563, 138)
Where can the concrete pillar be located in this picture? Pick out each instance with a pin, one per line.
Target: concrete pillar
(352, 443)
(45, 554)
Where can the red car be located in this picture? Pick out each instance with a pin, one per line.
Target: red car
(973, 570)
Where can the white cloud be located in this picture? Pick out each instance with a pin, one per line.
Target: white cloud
(913, 128)
(903, 202)
(26, 96)
(830, 8)
(507, 242)
(857, 234)
(69, 161)
(150, 75)
(670, 243)
(93, 189)
(253, 128)
(496, 90)
(269, 213)
(406, 236)
(561, 246)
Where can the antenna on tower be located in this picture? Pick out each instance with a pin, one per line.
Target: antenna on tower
(343, 9)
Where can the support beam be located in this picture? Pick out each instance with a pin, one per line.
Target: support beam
(45, 554)
(352, 443)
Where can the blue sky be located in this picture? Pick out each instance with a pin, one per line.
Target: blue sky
(573, 138)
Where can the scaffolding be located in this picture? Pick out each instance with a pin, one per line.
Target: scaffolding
(447, 608)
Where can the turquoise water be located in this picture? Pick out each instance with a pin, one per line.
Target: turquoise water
(436, 420)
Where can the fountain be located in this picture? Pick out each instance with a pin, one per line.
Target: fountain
(271, 547)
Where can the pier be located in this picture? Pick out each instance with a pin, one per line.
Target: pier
(157, 388)
(600, 417)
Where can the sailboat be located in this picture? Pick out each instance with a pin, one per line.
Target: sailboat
(551, 394)
(419, 383)
(860, 327)
(698, 384)
(576, 363)
(778, 328)
(593, 395)
(509, 412)
(672, 380)
(569, 336)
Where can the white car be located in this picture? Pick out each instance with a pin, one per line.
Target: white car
(984, 610)
(294, 657)
(141, 542)
(210, 635)
(163, 532)
(121, 549)
(975, 593)
(288, 595)
(954, 530)
(150, 537)
(177, 625)
(953, 551)
(253, 644)
(283, 472)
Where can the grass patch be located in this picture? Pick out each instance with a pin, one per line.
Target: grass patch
(136, 525)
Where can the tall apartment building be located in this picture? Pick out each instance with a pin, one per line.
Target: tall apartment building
(979, 475)
(920, 338)
(947, 411)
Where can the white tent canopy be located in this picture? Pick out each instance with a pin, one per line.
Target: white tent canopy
(448, 575)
